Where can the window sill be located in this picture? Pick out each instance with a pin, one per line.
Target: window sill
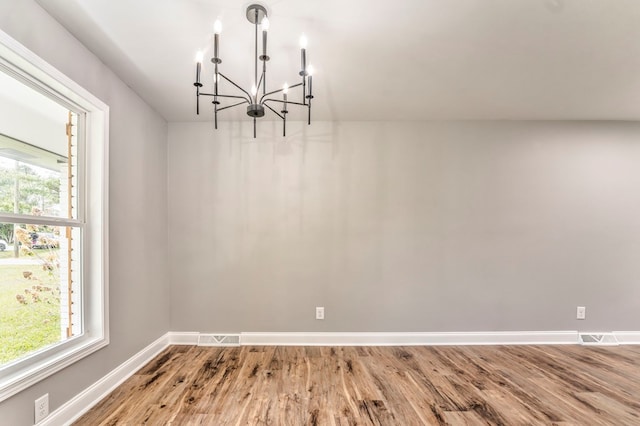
(65, 354)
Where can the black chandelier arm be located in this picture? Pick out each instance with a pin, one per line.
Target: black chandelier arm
(278, 91)
(240, 88)
(226, 96)
(231, 106)
(255, 59)
(274, 111)
(197, 100)
(284, 126)
(283, 102)
(260, 82)
(304, 88)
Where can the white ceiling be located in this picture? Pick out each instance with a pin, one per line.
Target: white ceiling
(384, 60)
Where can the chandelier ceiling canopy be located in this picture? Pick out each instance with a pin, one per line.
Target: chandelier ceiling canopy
(258, 99)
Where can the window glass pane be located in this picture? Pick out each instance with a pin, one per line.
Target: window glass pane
(39, 288)
(37, 141)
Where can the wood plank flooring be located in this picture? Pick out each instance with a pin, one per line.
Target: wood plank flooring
(436, 385)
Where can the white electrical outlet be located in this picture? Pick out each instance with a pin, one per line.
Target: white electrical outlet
(319, 312)
(581, 313)
(42, 408)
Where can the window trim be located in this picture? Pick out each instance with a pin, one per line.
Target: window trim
(93, 171)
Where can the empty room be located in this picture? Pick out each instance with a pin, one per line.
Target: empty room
(305, 212)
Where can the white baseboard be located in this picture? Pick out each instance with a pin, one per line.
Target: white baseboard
(183, 338)
(627, 337)
(81, 403)
(409, 339)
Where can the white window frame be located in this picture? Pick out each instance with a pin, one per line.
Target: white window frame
(92, 219)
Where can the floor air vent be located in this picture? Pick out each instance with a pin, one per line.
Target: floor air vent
(219, 340)
(603, 339)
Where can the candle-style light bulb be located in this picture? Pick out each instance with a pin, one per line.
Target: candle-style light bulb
(310, 82)
(285, 90)
(310, 95)
(199, 57)
(303, 54)
(265, 26)
(254, 92)
(217, 29)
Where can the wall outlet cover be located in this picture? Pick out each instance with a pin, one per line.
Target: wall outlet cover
(41, 408)
(581, 313)
(319, 312)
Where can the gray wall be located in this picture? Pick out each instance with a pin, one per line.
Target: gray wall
(139, 294)
(405, 226)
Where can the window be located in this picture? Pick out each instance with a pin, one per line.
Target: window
(53, 220)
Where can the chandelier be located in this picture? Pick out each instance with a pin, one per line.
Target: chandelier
(258, 99)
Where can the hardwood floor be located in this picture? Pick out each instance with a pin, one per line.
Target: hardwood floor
(473, 385)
